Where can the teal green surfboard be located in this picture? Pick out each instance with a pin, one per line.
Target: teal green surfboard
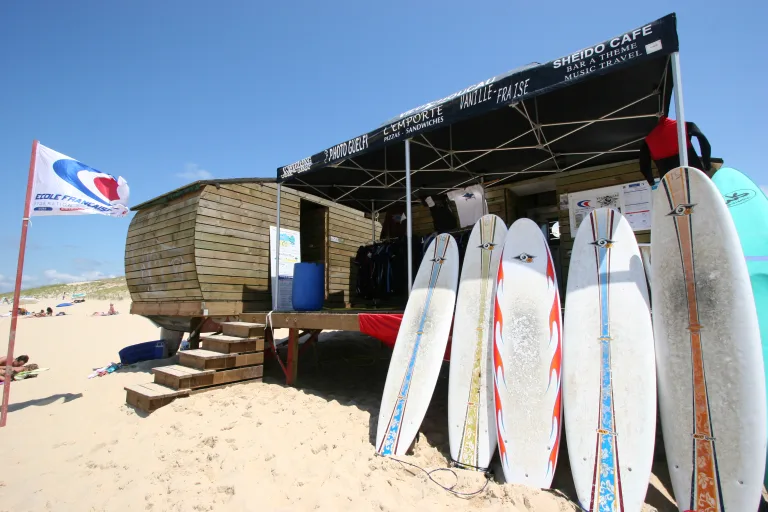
(749, 208)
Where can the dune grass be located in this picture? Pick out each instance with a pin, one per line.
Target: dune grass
(102, 289)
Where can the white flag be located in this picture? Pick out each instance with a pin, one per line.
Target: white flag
(64, 186)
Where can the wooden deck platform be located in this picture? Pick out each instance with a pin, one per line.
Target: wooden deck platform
(151, 396)
(225, 359)
(232, 344)
(209, 360)
(333, 320)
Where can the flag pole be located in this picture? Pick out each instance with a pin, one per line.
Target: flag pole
(17, 291)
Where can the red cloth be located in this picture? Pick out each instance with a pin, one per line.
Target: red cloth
(662, 141)
(384, 327)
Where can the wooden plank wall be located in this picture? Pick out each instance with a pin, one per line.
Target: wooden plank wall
(422, 220)
(578, 181)
(213, 245)
(496, 199)
(232, 240)
(159, 252)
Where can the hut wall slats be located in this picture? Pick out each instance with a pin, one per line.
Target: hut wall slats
(159, 262)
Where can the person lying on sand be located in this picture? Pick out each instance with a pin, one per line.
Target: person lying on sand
(111, 311)
(19, 363)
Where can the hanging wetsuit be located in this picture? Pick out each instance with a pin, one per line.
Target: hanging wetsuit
(661, 146)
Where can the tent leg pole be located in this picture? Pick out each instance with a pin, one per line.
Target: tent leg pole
(373, 224)
(276, 283)
(409, 218)
(682, 141)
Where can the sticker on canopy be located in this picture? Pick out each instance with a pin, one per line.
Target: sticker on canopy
(653, 47)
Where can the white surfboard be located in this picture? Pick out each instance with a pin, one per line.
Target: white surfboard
(609, 380)
(419, 348)
(708, 354)
(527, 358)
(471, 421)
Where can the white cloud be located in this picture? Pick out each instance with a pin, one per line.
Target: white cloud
(54, 276)
(8, 283)
(193, 172)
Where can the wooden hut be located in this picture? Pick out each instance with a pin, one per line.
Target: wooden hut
(203, 250)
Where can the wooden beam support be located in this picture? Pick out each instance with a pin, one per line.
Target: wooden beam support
(293, 357)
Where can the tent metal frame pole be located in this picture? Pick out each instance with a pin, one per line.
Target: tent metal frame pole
(276, 284)
(409, 235)
(373, 223)
(677, 85)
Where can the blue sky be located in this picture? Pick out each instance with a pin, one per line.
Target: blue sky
(163, 93)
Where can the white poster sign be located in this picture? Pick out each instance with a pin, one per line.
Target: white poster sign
(580, 204)
(637, 203)
(290, 253)
(631, 199)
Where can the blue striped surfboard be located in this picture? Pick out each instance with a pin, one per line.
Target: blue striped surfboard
(419, 348)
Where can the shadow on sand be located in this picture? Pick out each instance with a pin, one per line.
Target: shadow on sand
(39, 402)
(351, 369)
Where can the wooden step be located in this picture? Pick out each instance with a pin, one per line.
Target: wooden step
(209, 360)
(243, 329)
(151, 396)
(181, 377)
(232, 344)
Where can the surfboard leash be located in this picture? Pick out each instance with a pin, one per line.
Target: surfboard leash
(462, 465)
(450, 489)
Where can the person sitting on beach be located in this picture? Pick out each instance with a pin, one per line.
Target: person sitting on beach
(19, 362)
(49, 311)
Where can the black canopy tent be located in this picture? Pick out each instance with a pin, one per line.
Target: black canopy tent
(587, 108)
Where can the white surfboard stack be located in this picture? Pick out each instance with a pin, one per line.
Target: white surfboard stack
(515, 365)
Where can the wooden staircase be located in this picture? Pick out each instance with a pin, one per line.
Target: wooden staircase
(235, 355)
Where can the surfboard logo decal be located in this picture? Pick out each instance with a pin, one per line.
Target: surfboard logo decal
(681, 210)
(606, 477)
(738, 197)
(525, 258)
(391, 439)
(468, 449)
(555, 365)
(706, 491)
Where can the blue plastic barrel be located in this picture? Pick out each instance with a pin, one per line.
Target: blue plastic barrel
(308, 286)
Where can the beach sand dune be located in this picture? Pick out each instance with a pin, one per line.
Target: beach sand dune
(73, 444)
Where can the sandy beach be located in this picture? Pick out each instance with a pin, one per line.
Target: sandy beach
(73, 444)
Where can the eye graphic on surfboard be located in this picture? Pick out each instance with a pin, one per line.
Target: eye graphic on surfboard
(525, 257)
(488, 246)
(603, 243)
(682, 210)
